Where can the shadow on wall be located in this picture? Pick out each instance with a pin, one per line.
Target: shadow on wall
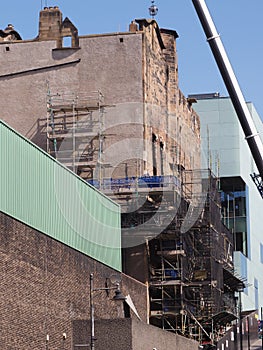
(38, 133)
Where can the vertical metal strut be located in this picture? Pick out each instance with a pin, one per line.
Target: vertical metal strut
(231, 83)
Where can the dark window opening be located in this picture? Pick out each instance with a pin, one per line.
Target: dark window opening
(121, 40)
(167, 73)
(162, 147)
(241, 242)
(127, 310)
(154, 153)
(7, 48)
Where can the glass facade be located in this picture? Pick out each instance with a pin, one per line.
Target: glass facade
(234, 213)
(230, 158)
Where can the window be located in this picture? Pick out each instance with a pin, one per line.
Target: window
(193, 123)
(162, 148)
(67, 41)
(261, 253)
(167, 73)
(234, 211)
(154, 153)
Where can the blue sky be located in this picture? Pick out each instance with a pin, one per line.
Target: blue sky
(239, 23)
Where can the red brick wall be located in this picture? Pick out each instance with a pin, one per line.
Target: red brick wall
(44, 288)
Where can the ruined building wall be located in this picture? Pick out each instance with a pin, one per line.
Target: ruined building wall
(170, 118)
(50, 20)
(113, 65)
(25, 70)
(28, 66)
(138, 75)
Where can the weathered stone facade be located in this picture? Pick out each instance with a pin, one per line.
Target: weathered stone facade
(52, 27)
(169, 118)
(137, 73)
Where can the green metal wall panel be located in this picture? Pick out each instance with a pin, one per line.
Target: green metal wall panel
(45, 195)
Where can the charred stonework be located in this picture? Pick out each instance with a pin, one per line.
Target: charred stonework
(9, 34)
(170, 55)
(167, 114)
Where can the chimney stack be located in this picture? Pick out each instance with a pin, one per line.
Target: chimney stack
(133, 27)
(50, 20)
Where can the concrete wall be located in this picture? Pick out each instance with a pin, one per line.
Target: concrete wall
(128, 334)
(146, 337)
(44, 289)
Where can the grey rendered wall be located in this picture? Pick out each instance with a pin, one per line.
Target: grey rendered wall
(147, 337)
(28, 68)
(130, 334)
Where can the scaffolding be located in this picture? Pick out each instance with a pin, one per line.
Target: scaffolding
(74, 128)
(192, 277)
(189, 252)
(175, 218)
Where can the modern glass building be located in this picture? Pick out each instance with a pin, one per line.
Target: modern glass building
(228, 155)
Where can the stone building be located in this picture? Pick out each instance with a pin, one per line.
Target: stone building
(137, 74)
(109, 107)
(46, 259)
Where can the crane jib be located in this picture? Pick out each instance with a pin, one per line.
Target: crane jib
(251, 134)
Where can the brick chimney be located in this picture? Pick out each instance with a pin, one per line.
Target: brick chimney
(133, 27)
(50, 20)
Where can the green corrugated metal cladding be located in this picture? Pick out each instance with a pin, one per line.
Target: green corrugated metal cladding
(43, 194)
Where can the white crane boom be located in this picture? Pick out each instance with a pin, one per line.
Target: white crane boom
(251, 134)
